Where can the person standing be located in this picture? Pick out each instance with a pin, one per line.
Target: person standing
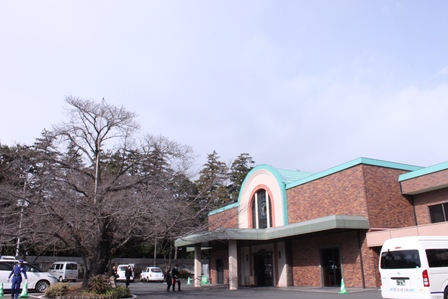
(114, 276)
(128, 274)
(168, 279)
(176, 277)
(16, 274)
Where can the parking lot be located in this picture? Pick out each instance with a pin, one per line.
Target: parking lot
(157, 290)
(153, 290)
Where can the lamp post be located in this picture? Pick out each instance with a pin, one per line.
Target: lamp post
(21, 203)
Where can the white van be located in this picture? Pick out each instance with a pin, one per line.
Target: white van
(414, 267)
(64, 271)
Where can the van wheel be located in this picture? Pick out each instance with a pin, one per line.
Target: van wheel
(445, 293)
(60, 279)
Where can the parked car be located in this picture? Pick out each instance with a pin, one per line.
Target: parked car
(38, 280)
(121, 271)
(64, 271)
(152, 274)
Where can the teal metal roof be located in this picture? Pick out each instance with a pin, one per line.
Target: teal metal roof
(350, 164)
(289, 176)
(424, 171)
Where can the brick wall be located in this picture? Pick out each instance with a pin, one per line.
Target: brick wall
(362, 190)
(425, 182)
(387, 208)
(341, 193)
(422, 201)
(225, 219)
(306, 260)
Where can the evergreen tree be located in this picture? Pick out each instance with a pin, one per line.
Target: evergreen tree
(238, 171)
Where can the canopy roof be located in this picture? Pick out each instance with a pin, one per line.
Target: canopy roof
(300, 228)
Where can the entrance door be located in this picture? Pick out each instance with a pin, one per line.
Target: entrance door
(331, 265)
(263, 268)
(220, 271)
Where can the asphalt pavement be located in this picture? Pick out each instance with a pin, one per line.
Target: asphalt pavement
(157, 290)
(150, 290)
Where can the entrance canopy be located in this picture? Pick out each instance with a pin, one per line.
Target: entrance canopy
(300, 228)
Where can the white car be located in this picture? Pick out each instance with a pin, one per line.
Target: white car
(38, 280)
(152, 274)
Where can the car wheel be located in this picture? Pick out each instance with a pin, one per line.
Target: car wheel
(42, 286)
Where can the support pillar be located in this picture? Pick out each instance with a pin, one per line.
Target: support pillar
(197, 266)
(233, 265)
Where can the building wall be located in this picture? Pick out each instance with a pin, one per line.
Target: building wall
(425, 182)
(225, 219)
(422, 201)
(342, 193)
(387, 208)
(307, 265)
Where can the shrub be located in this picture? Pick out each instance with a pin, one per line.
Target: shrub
(119, 292)
(57, 289)
(99, 284)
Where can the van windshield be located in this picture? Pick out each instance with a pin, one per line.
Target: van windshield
(400, 259)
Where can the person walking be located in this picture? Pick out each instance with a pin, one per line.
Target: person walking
(168, 279)
(128, 274)
(16, 274)
(176, 277)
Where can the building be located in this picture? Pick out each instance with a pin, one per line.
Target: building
(292, 228)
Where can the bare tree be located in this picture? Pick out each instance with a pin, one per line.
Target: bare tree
(96, 189)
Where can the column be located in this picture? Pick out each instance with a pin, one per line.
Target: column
(197, 266)
(233, 265)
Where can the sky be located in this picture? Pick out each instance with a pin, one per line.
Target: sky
(299, 85)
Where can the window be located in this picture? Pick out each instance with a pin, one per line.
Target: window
(400, 259)
(439, 213)
(261, 210)
(437, 257)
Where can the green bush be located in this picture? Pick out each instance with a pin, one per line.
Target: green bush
(119, 292)
(57, 289)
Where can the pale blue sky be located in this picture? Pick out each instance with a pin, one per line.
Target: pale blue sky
(296, 84)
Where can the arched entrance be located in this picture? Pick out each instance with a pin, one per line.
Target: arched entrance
(263, 268)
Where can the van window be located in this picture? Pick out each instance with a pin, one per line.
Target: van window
(71, 266)
(400, 259)
(437, 257)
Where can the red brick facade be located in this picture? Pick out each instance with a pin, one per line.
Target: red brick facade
(225, 219)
